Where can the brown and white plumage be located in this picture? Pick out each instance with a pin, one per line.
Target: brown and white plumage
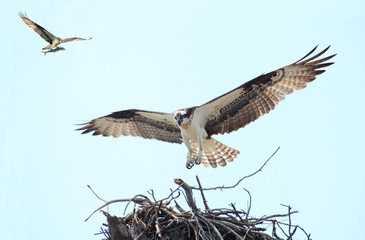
(151, 125)
(49, 37)
(224, 114)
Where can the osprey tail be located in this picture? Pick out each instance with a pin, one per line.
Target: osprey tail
(213, 152)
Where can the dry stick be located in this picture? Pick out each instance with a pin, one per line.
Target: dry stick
(107, 208)
(274, 229)
(170, 195)
(95, 194)
(201, 191)
(235, 212)
(266, 218)
(152, 193)
(289, 208)
(157, 225)
(229, 229)
(181, 210)
(246, 234)
(265, 235)
(135, 200)
(282, 230)
(139, 195)
(195, 232)
(249, 206)
(209, 225)
(296, 226)
(239, 181)
(188, 193)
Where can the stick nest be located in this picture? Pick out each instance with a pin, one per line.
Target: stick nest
(166, 219)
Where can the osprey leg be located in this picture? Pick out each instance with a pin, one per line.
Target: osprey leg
(198, 159)
(190, 161)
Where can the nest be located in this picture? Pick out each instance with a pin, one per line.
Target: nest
(165, 219)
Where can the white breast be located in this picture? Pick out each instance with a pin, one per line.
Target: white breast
(195, 127)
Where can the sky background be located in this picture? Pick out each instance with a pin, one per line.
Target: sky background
(163, 56)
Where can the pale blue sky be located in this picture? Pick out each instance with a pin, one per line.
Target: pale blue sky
(166, 55)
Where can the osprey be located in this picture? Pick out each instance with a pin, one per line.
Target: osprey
(49, 37)
(195, 126)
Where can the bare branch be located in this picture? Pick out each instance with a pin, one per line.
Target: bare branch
(249, 205)
(135, 200)
(239, 181)
(171, 195)
(178, 207)
(189, 194)
(95, 193)
(203, 197)
(289, 217)
(235, 212)
(157, 225)
(212, 226)
(152, 193)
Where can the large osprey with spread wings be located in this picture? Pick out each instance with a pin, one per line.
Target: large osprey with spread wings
(227, 113)
(49, 37)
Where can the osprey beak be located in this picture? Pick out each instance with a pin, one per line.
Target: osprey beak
(179, 121)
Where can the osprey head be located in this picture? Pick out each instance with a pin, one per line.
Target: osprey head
(182, 116)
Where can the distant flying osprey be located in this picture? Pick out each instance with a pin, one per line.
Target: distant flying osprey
(49, 37)
(227, 113)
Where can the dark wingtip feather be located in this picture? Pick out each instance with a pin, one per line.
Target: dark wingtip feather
(322, 65)
(86, 127)
(314, 57)
(304, 61)
(314, 49)
(318, 72)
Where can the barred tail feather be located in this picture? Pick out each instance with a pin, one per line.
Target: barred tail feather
(215, 152)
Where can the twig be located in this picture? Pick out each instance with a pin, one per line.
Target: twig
(135, 199)
(249, 205)
(157, 225)
(203, 197)
(152, 193)
(239, 181)
(230, 230)
(171, 195)
(107, 208)
(246, 234)
(274, 229)
(235, 212)
(201, 232)
(181, 210)
(95, 193)
(289, 217)
(132, 200)
(296, 226)
(282, 230)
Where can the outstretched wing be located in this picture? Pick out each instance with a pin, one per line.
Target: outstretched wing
(74, 39)
(37, 28)
(151, 125)
(253, 99)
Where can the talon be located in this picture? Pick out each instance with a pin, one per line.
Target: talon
(198, 161)
(189, 165)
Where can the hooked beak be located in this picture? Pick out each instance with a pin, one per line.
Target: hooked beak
(179, 121)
